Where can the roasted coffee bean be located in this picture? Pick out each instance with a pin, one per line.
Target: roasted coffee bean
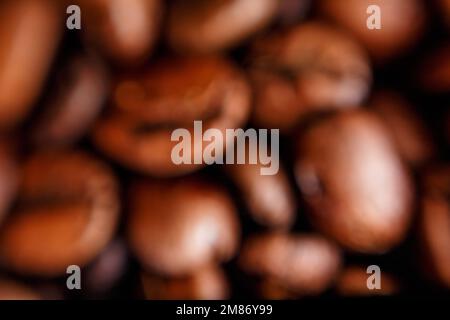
(107, 270)
(309, 68)
(291, 11)
(434, 224)
(353, 282)
(413, 140)
(444, 6)
(298, 264)
(212, 25)
(206, 283)
(435, 71)
(11, 290)
(8, 178)
(29, 34)
(354, 182)
(178, 226)
(67, 213)
(76, 99)
(277, 104)
(402, 23)
(125, 30)
(269, 198)
(171, 94)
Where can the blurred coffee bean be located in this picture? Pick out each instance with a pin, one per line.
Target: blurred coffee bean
(310, 67)
(67, 213)
(11, 290)
(125, 30)
(292, 11)
(75, 101)
(402, 23)
(444, 6)
(299, 264)
(106, 271)
(171, 94)
(206, 283)
(434, 72)
(205, 26)
(276, 104)
(353, 282)
(269, 198)
(413, 140)
(51, 289)
(354, 181)
(9, 176)
(175, 227)
(434, 224)
(29, 35)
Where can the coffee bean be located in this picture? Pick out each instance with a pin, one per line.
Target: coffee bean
(105, 272)
(309, 68)
(125, 30)
(402, 24)
(12, 290)
(434, 224)
(444, 6)
(434, 73)
(171, 94)
(178, 226)
(209, 26)
(67, 213)
(354, 182)
(291, 11)
(413, 140)
(297, 264)
(277, 103)
(206, 283)
(9, 176)
(76, 100)
(269, 198)
(29, 33)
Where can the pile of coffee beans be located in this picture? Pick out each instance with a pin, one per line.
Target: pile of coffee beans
(93, 205)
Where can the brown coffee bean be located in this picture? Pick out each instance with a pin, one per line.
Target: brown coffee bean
(402, 23)
(29, 33)
(353, 282)
(413, 140)
(172, 94)
(206, 283)
(311, 67)
(354, 182)
(176, 227)
(434, 74)
(277, 104)
(11, 290)
(125, 30)
(108, 268)
(67, 213)
(8, 178)
(214, 25)
(269, 198)
(291, 11)
(299, 264)
(76, 99)
(444, 6)
(434, 224)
